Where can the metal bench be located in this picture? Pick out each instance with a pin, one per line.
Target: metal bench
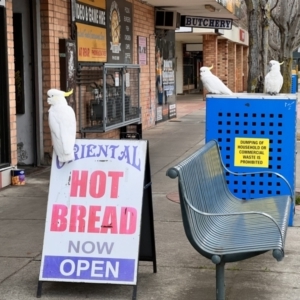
(219, 225)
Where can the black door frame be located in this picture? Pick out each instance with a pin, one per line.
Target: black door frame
(5, 155)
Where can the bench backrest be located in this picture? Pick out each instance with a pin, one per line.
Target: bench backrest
(202, 179)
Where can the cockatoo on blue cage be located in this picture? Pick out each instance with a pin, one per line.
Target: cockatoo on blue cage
(274, 79)
(212, 83)
(62, 123)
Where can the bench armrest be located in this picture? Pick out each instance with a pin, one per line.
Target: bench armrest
(235, 213)
(263, 172)
(260, 172)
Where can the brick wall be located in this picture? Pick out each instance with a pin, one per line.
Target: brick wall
(144, 26)
(210, 55)
(245, 67)
(55, 22)
(239, 68)
(210, 52)
(11, 83)
(55, 19)
(230, 59)
(223, 61)
(55, 25)
(232, 66)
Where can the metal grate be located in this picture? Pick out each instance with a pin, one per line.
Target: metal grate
(108, 97)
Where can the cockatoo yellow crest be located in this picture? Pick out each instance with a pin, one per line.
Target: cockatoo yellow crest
(274, 79)
(62, 123)
(212, 83)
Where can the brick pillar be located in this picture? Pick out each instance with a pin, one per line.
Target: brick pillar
(210, 55)
(55, 21)
(239, 68)
(223, 60)
(11, 83)
(245, 67)
(210, 52)
(232, 66)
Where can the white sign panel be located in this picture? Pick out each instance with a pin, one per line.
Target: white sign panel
(205, 22)
(93, 220)
(2, 2)
(184, 29)
(194, 47)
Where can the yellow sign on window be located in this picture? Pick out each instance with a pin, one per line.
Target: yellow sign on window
(91, 43)
(251, 152)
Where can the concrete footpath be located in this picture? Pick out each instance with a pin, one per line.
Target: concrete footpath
(182, 273)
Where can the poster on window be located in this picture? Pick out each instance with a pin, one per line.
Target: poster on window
(168, 77)
(142, 50)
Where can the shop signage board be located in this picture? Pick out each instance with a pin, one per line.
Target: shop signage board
(172, 111)
(91, 49)
(90, 20)
(94, 212)
(119, 32)
(206, 22)
(159, 114)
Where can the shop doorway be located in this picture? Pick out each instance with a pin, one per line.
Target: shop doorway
(24, 75)
(192, 61)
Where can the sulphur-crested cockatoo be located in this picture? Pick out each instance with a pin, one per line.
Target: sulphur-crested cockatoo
(212, 83)
(274, 79)
(62, 123)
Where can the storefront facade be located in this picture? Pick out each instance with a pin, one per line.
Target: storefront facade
(227, 52)
(31, 63)
(67, 44)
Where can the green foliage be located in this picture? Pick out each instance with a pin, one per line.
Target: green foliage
(297, 200)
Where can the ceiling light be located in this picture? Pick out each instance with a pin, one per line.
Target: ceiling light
(210, 7)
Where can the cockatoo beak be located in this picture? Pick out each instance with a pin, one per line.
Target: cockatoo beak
(282, 63)
(67, 94)
(211, 67)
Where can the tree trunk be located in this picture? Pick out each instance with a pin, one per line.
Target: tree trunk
(255, 60)
(286, 73)
(286, 17)
(286, 55)
(265, 32)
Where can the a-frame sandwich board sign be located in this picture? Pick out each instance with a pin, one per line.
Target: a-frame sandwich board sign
(93, 222)
(147, 239)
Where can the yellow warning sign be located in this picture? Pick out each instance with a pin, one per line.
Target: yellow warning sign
(251, 152)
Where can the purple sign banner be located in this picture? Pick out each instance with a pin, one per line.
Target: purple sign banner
(89, 268)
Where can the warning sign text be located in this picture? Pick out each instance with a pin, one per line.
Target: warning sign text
(251, 152)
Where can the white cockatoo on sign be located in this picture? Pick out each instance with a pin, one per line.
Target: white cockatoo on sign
(212, 83)
(62, 123)
(274, 79)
